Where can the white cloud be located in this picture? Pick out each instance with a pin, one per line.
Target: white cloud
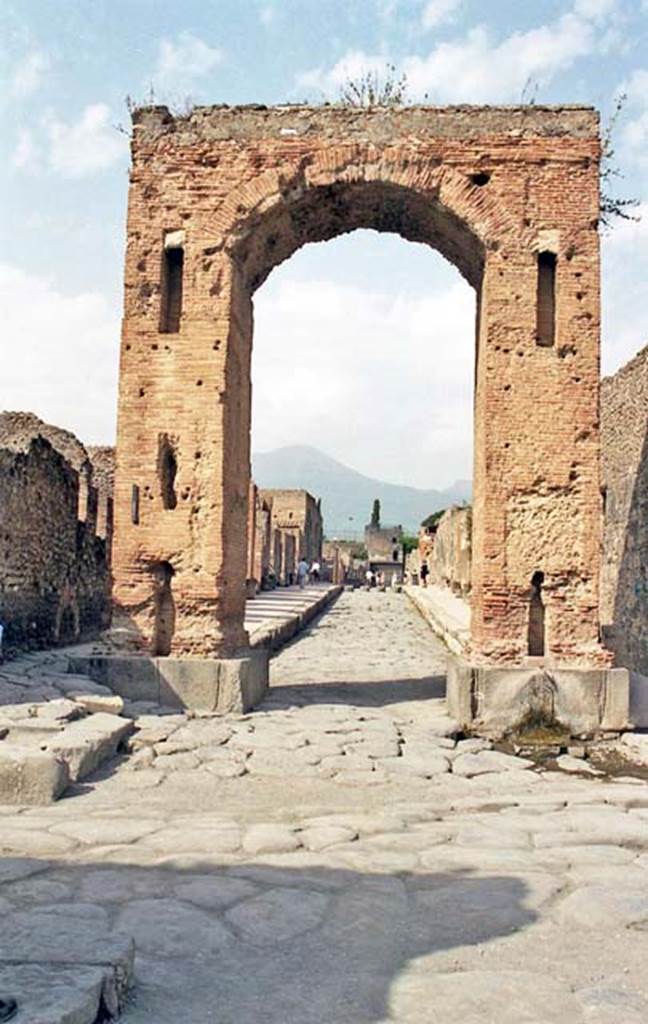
(437, 12)
(353, 66)
(378, 379)
(478, 68)
(26, 156)
(634, 133)
(596, 10)
(89, 145)
(183, 61)
(64, 356)
(28, 74)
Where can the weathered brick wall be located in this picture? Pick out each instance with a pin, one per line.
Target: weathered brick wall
(54, 578)
(624, 451)
(451, 555)
(239, 190)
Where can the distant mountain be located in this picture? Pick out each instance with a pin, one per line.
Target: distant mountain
(347, 496)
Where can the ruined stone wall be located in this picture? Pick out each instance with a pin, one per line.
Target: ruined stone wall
(220, 197)
(263, 543)
(384, 543)
(54, 579)
(624, 451)
(450, 558)
(299, 513)
(18, 428)
(102, 458)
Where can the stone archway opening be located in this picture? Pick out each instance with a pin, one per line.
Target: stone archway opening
(363, 353)
(300, 214)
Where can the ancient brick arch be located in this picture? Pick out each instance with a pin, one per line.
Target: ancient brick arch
(268, 218)
(509, 195)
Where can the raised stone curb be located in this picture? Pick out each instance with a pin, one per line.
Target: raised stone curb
(451, 628)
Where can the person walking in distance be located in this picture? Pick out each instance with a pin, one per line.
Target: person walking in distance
(315, 572)
(425, 572)
(302, 573)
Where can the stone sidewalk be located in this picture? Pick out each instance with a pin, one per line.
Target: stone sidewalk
(275, 616)
(447, 614)
(356, 863)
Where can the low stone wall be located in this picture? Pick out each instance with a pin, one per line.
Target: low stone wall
(54, 578)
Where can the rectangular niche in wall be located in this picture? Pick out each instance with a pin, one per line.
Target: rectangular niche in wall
(171, 283)
(546, 299)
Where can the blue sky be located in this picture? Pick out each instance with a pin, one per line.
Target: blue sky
(382, 328)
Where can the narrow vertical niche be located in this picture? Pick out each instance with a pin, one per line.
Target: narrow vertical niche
(164, 608)
(171, 287)
(167, 470)
(135, 504)
(536, 638)
(546, 299)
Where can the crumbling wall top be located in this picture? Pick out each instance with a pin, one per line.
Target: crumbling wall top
(19, 429)
(374, 124)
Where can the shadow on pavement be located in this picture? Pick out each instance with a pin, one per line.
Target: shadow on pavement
(372, 693)
(253, 943)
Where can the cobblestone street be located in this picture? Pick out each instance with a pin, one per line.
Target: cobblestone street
(338, 856)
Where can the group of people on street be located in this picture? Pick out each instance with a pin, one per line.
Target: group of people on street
(306, 572)
(378, 579)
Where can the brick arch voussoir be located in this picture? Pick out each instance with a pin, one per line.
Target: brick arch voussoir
(486, 218)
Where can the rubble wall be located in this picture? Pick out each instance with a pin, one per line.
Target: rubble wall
(54, 574)
(451, 555)
(624, 463)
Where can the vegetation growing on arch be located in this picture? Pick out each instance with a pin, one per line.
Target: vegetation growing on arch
(613, 206)
(373, 89)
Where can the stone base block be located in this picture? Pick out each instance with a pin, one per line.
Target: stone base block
(496, 700)
(639, 700)
(31, 776)
(217, 685)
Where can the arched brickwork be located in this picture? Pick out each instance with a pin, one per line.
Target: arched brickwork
(233, 192)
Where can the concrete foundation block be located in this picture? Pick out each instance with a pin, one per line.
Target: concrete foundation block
(496, 700)
(216, 685)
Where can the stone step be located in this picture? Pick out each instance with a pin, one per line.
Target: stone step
(85, 744)
(31, 776)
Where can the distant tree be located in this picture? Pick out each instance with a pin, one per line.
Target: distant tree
(409, 544)
(375, 513)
